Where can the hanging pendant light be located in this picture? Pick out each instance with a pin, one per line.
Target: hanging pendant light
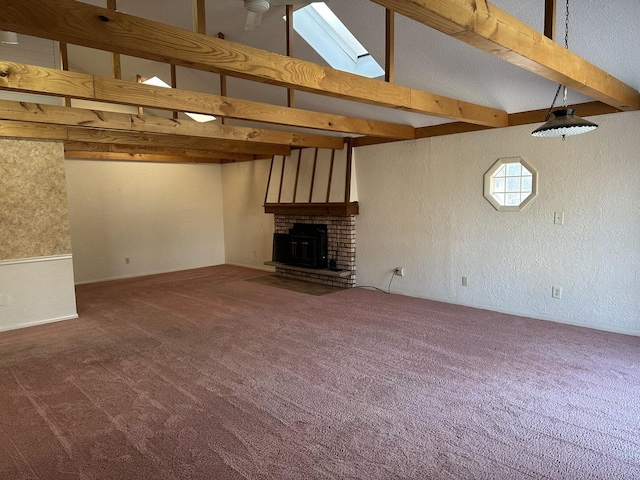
(565, 121)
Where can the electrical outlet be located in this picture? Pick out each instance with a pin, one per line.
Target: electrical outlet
(399, 271)
(556, 292)
(465, 281)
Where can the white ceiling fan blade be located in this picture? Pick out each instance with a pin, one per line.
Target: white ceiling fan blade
(290, 2)
(254, 20)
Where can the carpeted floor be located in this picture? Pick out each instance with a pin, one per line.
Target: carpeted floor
(301, 286)
(203, 375)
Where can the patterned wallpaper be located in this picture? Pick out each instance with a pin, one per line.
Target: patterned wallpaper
(34, 220)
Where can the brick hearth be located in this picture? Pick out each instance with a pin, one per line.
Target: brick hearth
(341, 240)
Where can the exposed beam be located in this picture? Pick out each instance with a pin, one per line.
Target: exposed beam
(151, 150)
(199, 17)
(447, 129)
(523, 118)
(349, 162)
(338, 208)
(64, 65)
(136, 157)
(235, 133)
(116, 66)
(17, 129)
(389, 53)
(32, 79)
(550, 19)
(588, 109)
(174, 84)
(289, 26)
(485, 26)
(40, 131)
(66, 116)
(89, 26)
(79, 134)
(223, 83)
(53, 114)
(140, 107)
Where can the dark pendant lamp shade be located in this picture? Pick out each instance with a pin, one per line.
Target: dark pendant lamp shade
(10, 38)
(563, 123)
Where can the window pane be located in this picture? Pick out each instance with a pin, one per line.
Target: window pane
(500, 172)
(513, 184)
(527, 184)
(513, 169)
(513, 199)
(525, 171)
(499, 198)
(498, 184)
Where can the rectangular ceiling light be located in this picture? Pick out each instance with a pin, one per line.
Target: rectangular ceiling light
(198, 117)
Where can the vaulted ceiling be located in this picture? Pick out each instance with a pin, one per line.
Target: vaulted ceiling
(481, 66)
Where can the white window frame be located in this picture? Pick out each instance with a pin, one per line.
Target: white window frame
(489, 184)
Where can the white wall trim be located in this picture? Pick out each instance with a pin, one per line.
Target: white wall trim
(142, 274)
(547, 318)
(39, 322)
(264, 268)
(48, 258)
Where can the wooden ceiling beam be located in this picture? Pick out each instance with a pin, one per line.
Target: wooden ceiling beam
(389, 46)
(81, 24)
(550, 19)
(181, 152)
(72, 147)
(199, 17)
(135, 157)
(28, 78)
(53, 114)
(291, 98)
(43, 131)
(522, 118)
(142, 157)
(80, 134)
(116, 65)
(485, 26)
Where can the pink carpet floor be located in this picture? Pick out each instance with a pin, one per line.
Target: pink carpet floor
(204, 375)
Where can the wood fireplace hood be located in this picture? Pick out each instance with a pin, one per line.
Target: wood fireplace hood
(312, 181)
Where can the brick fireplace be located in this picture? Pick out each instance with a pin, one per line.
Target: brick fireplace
(341, 243)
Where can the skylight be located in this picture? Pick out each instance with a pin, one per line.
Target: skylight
(198, 117)
(328, 36)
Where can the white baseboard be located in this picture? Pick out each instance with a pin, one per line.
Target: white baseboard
(603, 328)
(39, 322)
(136, 275)
(263, 268)
(159, 272)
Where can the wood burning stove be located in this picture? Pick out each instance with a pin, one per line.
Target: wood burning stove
(304, 246)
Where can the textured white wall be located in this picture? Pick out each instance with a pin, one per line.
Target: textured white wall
(248, 231)
(164, 217)
(422, 207)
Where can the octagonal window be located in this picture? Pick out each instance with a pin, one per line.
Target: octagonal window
(510, 184)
